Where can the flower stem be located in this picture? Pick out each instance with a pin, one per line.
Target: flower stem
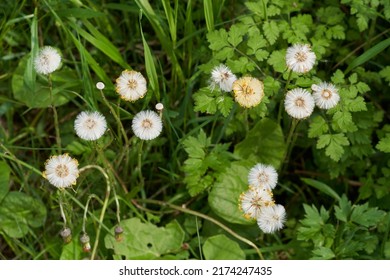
(56, 123)
(62, 208)
(284, 94)
(203, 216)
(105, 204)
(141, 178)
(290, 141)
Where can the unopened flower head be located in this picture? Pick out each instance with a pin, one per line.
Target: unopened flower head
(248, 91)
(131, 85)
(263, 176)
(61, 171)
(300, 58)
(147, 125)
(100, 85)
(223, 77)
(254, 200)
(325, 95)
(272, 218)
(47, 61)
(299, 103)
(90, 125)
(159, 106)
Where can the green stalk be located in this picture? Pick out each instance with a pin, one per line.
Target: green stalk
(104, 208)
(284, 94)
(56, 123)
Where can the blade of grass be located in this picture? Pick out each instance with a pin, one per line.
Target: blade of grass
(150, 66)
(29, 73)
(209, 14)
(171, 18)
(321, 187)
(369, 54)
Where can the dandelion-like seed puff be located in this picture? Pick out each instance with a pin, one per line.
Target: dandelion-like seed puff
(299, 103)
(300, 58)
(47, 61)
(90, 125)
(325, 95)
(147, 125)
(223, 77)
(271, 218)
(131, 85)
(248, 91)
(253, 200)
(61, 171)
(263, 176)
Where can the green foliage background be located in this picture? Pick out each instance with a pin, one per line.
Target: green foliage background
(178, 194)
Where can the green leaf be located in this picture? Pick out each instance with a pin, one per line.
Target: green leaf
(321, 187)
(219, 247)
(278, 61)
(334, 143)
(225, 104)
(322, 253)
(19, 212)
(271, 86)
(241, 65)
(218, 39)
(195, 147)
(4, 179)
(384, 144)
(205, 101)
(264, 142)
(236, 34)
(271, 31)
(366, 216)
(79, 13)
(343, 211)
(342, 121)
(385, 73)
(145, 241)
(338, 77)
(65, 81)
(71, 251)
(356, 105)
(369, 54)
(223, 198)
(317, 127)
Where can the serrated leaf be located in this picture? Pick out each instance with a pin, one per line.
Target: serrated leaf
(384, 144)
(255, 7)
(218, 39)
(343, 211)
(271, 31)
(271, 86)
(338, 77)
(145, 241)
(356, 105)
(265, 142)
(322, 253)
(334, 145)
(241, 65)
(225, 104)
(278, 61)
(236, 34)
(205, 101)
(366, 216)
(194, 147)
(219, 247)
(342, 121)
(317, 127)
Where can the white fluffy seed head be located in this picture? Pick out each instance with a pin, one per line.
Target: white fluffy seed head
(272, 218)
(253, 200)
(159, 106)
(263, 176)
(300, 58)
(147, 125)
(325, 95)
(47, 61)
(61, 171)
(131, 85)
(90, 125)
(248, 91)
(222, 77)
(299, 103)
